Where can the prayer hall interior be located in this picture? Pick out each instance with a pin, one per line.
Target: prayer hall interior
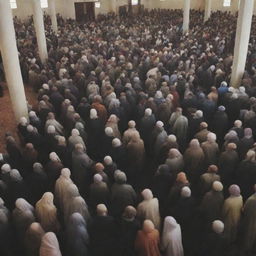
(127, 128)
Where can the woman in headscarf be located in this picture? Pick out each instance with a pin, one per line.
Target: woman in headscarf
(113, 123)
(211, 149)
(53, 169)
(149, 208)
(52, 121)
(215, 243)
(173, 196)
(212, 203)
(207, 179)
(49, 245)
(77, 237)
(147, 240)
(33, 239)
(175, 161)
(245, 143)
(30, 156)
(22, 216)
(37, 182)
(74, 139)
(122, 194)
(46, 213)
(246, 176)
(99, 192)
(60, 186)
(171, 242)
(77, 204)
(70, 193)
(128, 228)
(194, 161)
(231, 213)
(103, 233)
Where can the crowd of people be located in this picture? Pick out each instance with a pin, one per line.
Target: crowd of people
(138, 144)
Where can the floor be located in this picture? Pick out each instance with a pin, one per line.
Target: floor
(7, 120)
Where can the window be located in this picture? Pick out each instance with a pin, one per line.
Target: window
(227, 3)
(13, 4)
(44, 3)
(135, 2)
(97, 4)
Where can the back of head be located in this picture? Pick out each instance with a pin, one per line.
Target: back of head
(129, 212)
(217, 186)
(148, 226)
(218, 226)
(185, 192)
(120, 177)
(101, 210)
(147, 194)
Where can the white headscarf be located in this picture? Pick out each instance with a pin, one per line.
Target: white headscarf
(50, 245)
(171, 238)
(46, 212)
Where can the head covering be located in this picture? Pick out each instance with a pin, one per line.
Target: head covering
(23, 205)
(30, 128)
(250, 155)
(15, 175)
(38, 168)
(238, 123)
(234, 190)
(181, 177)
(109, 131)
(211, 137)
(172, 138)
(247, 132)
(194, 143)
(108, 160)
(148, 226)
(116, 143)
(23, 121)
(50, 245)
(54, 157)
(148, 112)
(159, 124)
(51, 129)
(221, 108)
(131, 124)
(147, 194)
(198, 114)
(120, 177)
(185, 192)
(65, 172)
(97, 178)
(129, 212)
(218, 226)
(101, 210)
(213, 168)
(99, 167)
(93, 114)
(217, 186)
(6, 168)
(75, 132)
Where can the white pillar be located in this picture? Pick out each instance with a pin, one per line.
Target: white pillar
(11, 61)
(207, 10)
(52, 12)
(243, 30)
(186, 10)
(39, 28)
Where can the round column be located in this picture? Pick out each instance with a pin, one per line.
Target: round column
(52, 13)
(11, 61)
(186, 10)
(39, 28)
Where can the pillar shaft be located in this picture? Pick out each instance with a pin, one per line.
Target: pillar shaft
(11, 61)
(52, 12)
(242, 40)
(207, 11)
(39, 28)
(186, 10)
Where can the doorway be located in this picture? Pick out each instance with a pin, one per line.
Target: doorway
(85, 11)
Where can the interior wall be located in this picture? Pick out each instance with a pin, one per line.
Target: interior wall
(66, 7)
